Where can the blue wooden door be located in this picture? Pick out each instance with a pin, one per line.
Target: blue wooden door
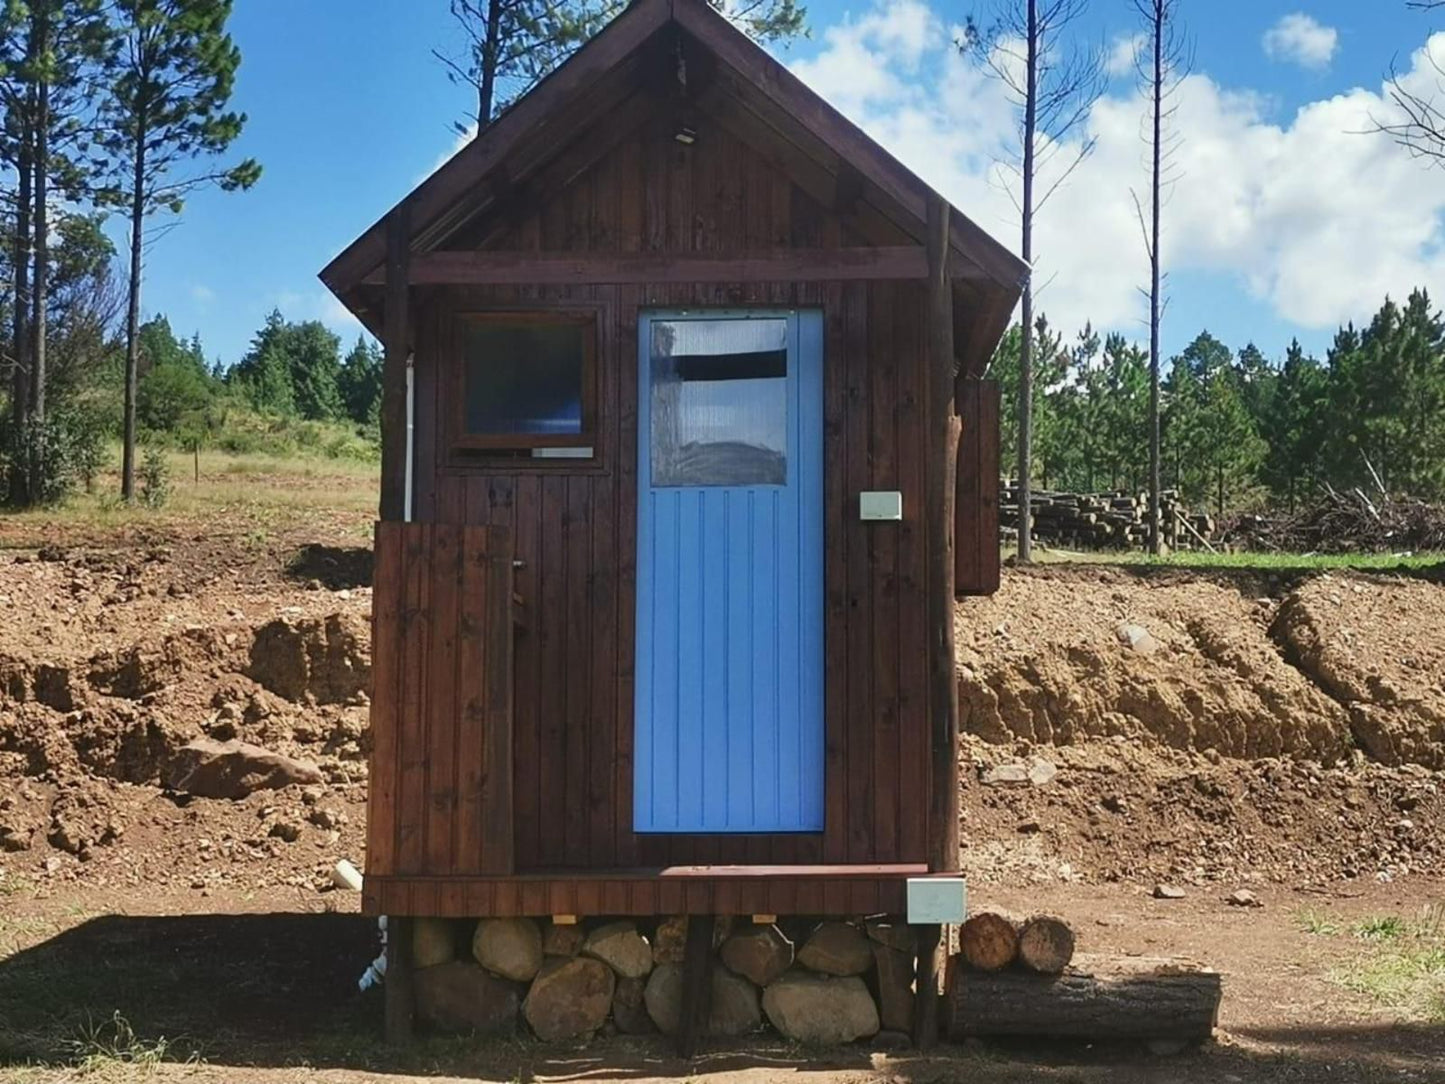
(729, 679)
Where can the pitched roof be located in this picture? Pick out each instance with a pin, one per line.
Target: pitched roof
(558, 116)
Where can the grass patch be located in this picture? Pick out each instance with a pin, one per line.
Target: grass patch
(114, 1044)
(1380, 928)
(256, 492)
(1405, 971)
(1265, 561)
(1317, 924)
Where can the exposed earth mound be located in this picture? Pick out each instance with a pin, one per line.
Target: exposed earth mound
(1377, 646)
(1244, 665)
(192, 713)
(122, 673)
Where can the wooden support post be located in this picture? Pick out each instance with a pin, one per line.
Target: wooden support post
(925, 1008)
(396, 334)
(943, 433)
(696, 982)
(397, 984)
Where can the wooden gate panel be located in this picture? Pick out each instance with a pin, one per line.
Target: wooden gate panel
(440, 794)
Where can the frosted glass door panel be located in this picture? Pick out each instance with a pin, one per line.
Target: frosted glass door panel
(719, 402)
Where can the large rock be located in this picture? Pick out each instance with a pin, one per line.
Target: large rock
(433, 942)
(562, 940)
(836, 948)
(819, 1009)
(233, 769)
(733, 1007)
(894, 973)
(509, 947)
(570, 998)
(620, 947)
(732, 1002)
(460, 996)
(759, 953)
(629, 1008)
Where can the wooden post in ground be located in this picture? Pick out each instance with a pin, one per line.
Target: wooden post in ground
(396, 340)
(696, 980)
(943, 432)
(397, 983)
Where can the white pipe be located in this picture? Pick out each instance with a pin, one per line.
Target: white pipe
(410, 435)
(345, 875)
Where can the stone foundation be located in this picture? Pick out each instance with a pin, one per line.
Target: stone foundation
(812, 981)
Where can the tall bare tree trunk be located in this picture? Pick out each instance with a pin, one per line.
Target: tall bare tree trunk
(132, 316)
(20, 318)
(39, 287)
(1156, 153)
(487, 86)
(1026, 361)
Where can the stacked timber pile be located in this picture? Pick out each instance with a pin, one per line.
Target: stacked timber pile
(1014, 978)
(1091, 521)
(1349, 522)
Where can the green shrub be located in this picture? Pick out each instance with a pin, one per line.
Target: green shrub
(155, 478)
(47, 461)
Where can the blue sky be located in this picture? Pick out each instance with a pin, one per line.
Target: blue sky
(1284, 221)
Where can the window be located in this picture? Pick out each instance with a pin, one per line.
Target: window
(719, 402)
(526, 383)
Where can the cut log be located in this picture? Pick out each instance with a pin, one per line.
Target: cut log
(989, 941)
(1046, 944)
(1100, 997)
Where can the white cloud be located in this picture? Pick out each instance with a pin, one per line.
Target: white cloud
(1301, 39)
(1122, 55)
(1309, 216)
(202, 294)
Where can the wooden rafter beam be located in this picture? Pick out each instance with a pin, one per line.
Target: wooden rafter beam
(621, 268)
(491, 268)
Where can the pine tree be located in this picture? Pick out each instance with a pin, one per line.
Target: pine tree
(166, 106)
(360, 381)
(510, 45)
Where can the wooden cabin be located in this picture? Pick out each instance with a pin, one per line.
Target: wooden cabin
(674, 499)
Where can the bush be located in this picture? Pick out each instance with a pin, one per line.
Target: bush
(155, 478)
(45, 462)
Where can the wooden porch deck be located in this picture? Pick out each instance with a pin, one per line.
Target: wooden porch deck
(668, 890)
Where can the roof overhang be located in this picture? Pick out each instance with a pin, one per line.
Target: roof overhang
(589, 94)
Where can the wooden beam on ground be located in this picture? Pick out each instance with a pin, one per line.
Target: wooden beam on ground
(621, 268)
(1098, 998)
(397, 344)
(696, 979)
(397, 984)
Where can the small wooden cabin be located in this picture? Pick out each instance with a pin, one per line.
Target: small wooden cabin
(675, 361)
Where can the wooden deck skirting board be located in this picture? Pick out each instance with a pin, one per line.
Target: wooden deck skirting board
(672, 890)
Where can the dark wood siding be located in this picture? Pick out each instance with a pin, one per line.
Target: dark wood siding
(976, 550)
(573, 525)
(441, 713)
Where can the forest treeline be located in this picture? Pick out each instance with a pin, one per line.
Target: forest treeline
(1241, 429)
(296, 388)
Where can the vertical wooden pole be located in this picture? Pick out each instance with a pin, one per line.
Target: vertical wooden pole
(925, 1010)
(397, 984)
(397, 345)
(696, 982)
(943, 432)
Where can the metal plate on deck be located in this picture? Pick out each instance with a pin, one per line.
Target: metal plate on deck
(936, 900)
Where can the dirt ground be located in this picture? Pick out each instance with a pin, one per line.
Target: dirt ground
(1282, 732)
